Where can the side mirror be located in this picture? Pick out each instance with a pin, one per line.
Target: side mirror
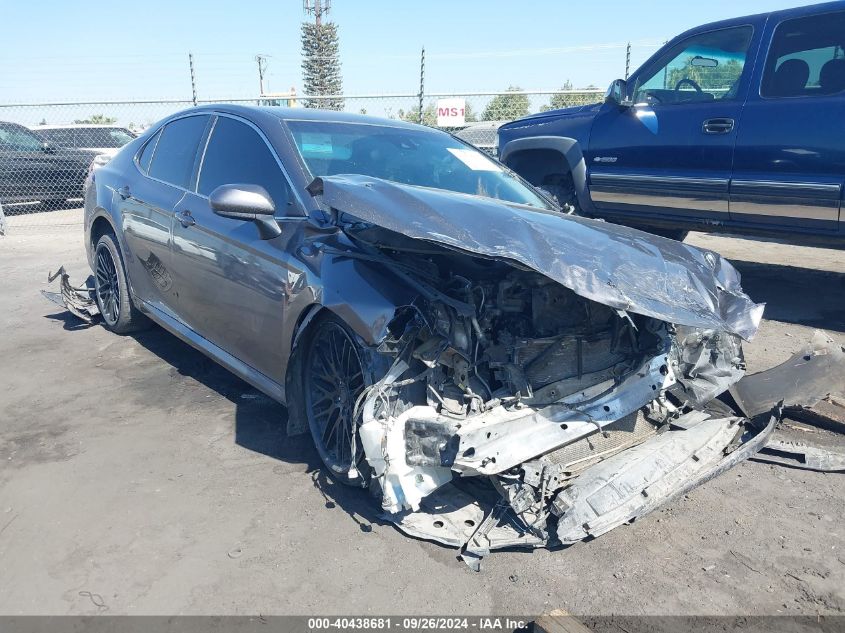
(48, 148)
(246, 202)
(617, 93)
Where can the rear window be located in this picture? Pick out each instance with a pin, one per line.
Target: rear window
(806, 57)
(176, 150)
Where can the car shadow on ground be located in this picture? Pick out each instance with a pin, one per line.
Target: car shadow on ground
(804, 296)
(261, 423)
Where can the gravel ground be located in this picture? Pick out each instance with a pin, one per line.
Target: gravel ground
(138, 477)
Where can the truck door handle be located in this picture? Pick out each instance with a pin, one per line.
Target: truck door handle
(717, 126)
(185, 218)
(124, 192)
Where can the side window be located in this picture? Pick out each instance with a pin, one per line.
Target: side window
(60, 136)
(176, 150)
(146, 154)
(236, 154)
(705, 67)
(806, 57)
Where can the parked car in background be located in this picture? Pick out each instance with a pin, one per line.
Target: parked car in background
(102, 139)
(482, 135)
(733, 126)
(431, 318)
(34, 170)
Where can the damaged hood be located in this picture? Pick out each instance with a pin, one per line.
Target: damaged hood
(611, 264)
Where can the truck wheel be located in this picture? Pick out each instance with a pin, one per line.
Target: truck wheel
(111, 289)
(562, 187)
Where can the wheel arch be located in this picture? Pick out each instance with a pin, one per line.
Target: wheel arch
(100, 225)
(537, 157)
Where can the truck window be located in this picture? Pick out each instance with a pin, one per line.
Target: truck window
(704, 67)
(806, 57)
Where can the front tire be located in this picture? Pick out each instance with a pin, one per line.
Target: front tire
(332, 379)
(562, 187)
(111, 289)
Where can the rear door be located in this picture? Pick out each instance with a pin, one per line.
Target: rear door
(233, 286)
(146, 205)
(789, 168)
(670, 154)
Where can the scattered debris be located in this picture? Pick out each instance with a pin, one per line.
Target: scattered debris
(79, 301)
(811, 385)
(802, 455)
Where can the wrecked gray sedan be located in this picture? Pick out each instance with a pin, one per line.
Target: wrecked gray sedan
(496, 372)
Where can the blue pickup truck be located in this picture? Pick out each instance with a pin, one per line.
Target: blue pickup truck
(736, 126)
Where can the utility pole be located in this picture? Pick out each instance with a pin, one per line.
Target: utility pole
(422, 82)
(193, 79)
(627, 61)
(317, 8)
(262, 66)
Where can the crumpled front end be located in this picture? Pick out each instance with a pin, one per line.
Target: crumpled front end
(518, 413)
(554, 377)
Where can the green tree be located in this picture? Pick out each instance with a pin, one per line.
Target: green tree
(507, 106)
(413, 116)
(100, 119)
(559, 101)
(321, 64)
(720, 77)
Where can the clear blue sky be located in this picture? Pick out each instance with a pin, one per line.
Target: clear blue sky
(64, 51)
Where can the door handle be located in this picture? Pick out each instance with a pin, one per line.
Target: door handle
(124, 192)
(185, 218)
(717, 126)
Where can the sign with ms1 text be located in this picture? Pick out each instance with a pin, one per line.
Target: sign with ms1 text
(451, 112)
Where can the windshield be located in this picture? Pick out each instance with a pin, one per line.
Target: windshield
(420, 157)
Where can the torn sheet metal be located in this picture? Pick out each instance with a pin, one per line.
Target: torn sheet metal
(78, 300)
(634, 482)
(813, 376)
(802, 455)
(614, 265)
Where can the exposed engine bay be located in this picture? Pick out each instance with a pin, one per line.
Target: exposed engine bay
(517, 413)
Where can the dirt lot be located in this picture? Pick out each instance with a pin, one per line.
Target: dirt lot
(138, 477)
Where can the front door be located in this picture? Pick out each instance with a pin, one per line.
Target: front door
(671, 153)
(790, 155)
(233, 286)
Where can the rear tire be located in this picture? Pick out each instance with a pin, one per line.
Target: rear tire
(111, 289)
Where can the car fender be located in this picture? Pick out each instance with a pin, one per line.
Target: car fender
(568, 148)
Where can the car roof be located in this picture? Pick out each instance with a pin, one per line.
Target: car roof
(781, 14)
(68, 126)
(303, 114)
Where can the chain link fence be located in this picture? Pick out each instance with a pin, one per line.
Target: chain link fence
(47, 149)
